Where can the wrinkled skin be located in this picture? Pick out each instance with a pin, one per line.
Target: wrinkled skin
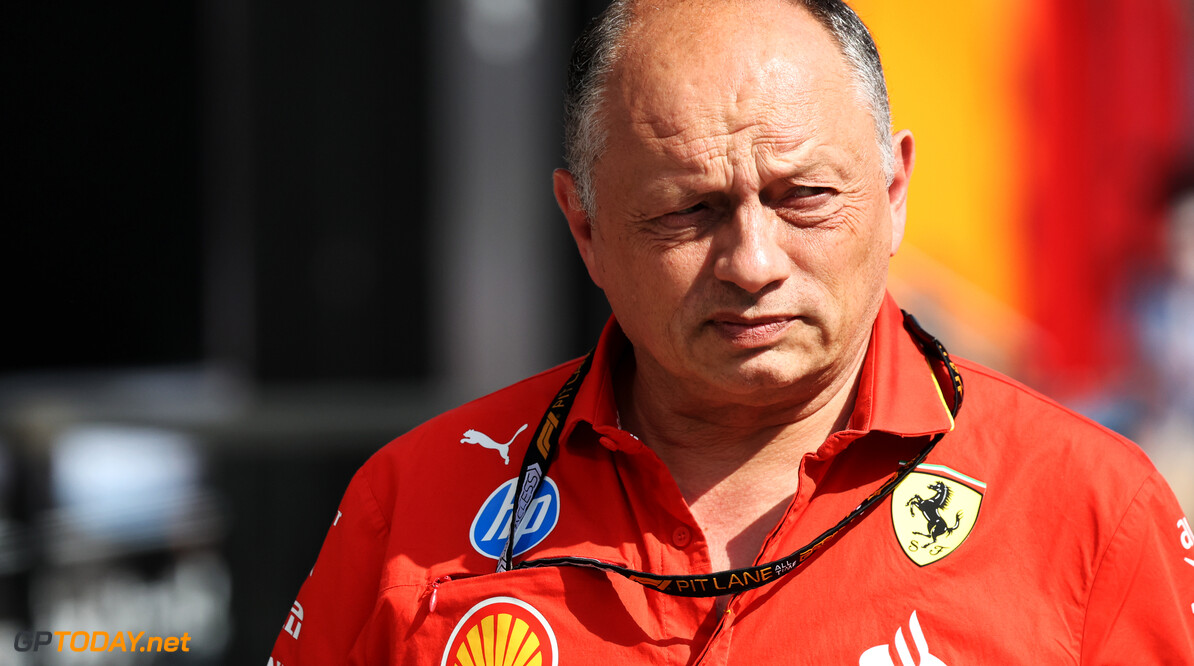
(744, 225)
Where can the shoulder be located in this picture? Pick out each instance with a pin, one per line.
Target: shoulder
(520, 402)
(482, 441)
(1081, 510)
(999, 411)
(1046, 468)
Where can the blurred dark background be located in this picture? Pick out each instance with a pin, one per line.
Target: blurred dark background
(248, 243)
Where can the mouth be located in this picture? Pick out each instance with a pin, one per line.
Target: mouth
(752, 332)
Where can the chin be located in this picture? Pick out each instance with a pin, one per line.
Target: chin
(768, 372)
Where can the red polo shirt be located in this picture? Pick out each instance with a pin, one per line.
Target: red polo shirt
(1030, 535)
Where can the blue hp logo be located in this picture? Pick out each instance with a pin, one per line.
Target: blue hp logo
(492, 524)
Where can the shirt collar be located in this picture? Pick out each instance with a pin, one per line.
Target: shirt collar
(897, 390)
(595, 405)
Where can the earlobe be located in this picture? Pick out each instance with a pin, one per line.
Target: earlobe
(567, 198)
(904, 148)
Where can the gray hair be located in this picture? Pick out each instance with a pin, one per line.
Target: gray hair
(598, 47)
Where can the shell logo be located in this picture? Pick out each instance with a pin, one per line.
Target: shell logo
(501, 631)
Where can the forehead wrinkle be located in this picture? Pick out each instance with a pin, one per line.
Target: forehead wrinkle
(744, 157)
(761, 114)
(702, 131)
(706, 109)
(713, 164)
(689, 147)
(801, 158)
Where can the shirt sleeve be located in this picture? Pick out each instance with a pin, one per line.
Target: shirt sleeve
(1141, 604)
(339, 594)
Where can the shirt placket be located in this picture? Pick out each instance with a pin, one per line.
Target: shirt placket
(778, 544)
(673, 543)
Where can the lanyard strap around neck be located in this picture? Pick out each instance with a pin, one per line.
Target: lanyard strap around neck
(547, 436)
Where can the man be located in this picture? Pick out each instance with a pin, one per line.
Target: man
(757, 404)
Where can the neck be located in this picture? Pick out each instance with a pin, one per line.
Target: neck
(708, 441)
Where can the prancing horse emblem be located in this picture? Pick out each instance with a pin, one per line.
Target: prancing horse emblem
(478, 437)
(931, 509)
(929, 528)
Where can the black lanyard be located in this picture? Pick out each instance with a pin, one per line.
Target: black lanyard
(547, 437)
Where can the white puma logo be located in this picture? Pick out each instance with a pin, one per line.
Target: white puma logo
(478, 437)
(881, 655)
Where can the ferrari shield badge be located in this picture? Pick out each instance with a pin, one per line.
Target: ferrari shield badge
(933, 510)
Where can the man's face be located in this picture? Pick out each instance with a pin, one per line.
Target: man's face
(744, 225)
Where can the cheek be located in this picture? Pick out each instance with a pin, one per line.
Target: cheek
(611, 257)
(680, 268)
(656, 289)
(869, 224)
(648, 263)
(643, 280)
(849, 256)
(832, 247)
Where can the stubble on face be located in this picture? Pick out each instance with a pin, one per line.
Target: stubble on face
(729, 281)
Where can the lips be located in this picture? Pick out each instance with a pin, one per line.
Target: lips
(752, 332)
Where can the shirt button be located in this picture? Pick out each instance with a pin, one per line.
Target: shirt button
(681, 536)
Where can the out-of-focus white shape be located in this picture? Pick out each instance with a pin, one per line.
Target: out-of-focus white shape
(191, 595)
(117, 482)
(502, 31)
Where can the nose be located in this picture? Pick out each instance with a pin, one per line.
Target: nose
(748, 253)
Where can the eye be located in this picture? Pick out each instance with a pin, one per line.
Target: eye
(807, 205)
(808, 191)
(691, 209)
(805, 198)
(685, 221)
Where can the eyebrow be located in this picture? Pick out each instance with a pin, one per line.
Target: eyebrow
(828, 158)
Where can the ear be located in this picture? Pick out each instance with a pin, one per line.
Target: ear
(897, 193)
(579, 223)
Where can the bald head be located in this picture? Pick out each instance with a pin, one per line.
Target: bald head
(631, 38)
